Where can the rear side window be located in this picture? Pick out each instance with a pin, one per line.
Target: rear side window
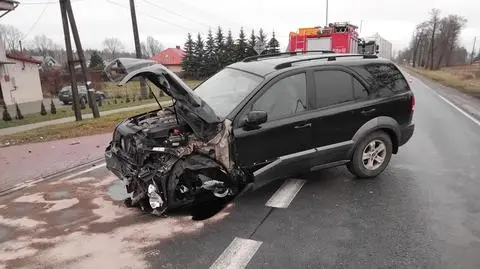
(385, 79)
(285, 98)
(336, 87)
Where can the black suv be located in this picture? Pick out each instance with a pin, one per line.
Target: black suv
(265, 118)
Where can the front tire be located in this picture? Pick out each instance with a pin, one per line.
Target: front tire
(371, 156)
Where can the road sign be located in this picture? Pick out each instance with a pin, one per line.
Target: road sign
(259, 47)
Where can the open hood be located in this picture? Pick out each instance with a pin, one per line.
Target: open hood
(198, 114)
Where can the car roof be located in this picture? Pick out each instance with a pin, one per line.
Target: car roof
(268, 65)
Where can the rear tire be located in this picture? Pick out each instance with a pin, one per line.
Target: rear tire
(371, 156)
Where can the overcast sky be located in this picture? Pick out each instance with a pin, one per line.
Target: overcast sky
(170, 20)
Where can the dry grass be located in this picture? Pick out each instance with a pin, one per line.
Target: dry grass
(133, 88)
(69, 130)
(464, 78)
(66, 111)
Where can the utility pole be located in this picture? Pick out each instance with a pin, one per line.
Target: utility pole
(326, 15)
(71, 64)
(92, 100)
(138, 49)
(473, 50)
(67, 16)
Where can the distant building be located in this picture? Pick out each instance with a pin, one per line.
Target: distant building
(47, 61)
(19, 81)
(172, 58)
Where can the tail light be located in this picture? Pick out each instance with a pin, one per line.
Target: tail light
(413, 103)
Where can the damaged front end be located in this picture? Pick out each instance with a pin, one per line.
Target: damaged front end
(170, 157)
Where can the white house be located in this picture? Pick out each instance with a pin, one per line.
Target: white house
(19, 81)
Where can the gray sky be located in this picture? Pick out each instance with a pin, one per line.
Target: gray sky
(170, 20)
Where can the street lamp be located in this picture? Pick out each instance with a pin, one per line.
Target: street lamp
(7, 6)
(326, 15)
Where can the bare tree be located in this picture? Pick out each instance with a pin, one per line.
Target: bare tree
(113, 45)
(12, 36)
(145, 53)
(43, 44)
(153, 46)
(449, 31)
(434, 21)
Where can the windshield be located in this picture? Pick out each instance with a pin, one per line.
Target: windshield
(226, 89)
(66, 89)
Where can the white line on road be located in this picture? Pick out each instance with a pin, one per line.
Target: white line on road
(459, 109)
(83, 171)
(450, 103)
(237, 254)
(285, 194)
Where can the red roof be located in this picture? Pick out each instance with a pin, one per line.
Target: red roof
(170, 56)
(23, 58)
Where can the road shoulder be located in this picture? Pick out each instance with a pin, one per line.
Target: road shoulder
(468, 103)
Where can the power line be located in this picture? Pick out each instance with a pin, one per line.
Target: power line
(175, 13)
(36, 22)
(43, 2)
(151, 16)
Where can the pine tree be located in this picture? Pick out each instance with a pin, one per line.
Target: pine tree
(96, 61)
(209, 67)
(219, 50)
(262, 38)
(188, 58)
(6, 114)
(53, 109)
(19, 115)
(273, 45)
(199, 58)
(43, 111)
(251, 44)
(229, 56)
(241, 46)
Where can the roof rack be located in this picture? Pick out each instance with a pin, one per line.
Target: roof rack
(329, 58)
(291, 53)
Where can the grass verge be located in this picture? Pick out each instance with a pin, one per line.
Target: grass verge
(70, 130)
(465, 83)
(66, 111)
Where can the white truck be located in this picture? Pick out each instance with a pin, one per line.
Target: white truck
(376, 45)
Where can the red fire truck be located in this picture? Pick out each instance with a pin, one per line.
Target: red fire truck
(338, 37)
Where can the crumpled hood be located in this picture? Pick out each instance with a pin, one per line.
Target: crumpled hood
(196, 112)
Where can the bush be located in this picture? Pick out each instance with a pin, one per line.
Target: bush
(134, 98)
(19, 115)
(100, 103)
(43, 111)
(127, 99)
(53, 109)
(115, 101)
(6, 115)
(121, 101)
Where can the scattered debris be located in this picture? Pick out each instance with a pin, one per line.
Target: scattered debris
(74, 143)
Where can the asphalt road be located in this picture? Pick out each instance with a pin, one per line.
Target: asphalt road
(422, 212)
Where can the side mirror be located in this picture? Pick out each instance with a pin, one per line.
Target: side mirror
(255, 118)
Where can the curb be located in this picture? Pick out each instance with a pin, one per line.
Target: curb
(31, 182)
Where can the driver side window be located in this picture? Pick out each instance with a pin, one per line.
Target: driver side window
(286, 97)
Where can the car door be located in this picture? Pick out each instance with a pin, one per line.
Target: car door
(341, 109)
(281, 145)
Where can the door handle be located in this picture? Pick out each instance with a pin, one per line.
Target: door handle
(368, 112)
(306, 125)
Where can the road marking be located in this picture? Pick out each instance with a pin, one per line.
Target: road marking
(285, 194)
(459, 109)
(237, 255)
(450, 102)
(83, 171)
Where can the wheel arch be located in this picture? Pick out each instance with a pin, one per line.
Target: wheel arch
(386, 124)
